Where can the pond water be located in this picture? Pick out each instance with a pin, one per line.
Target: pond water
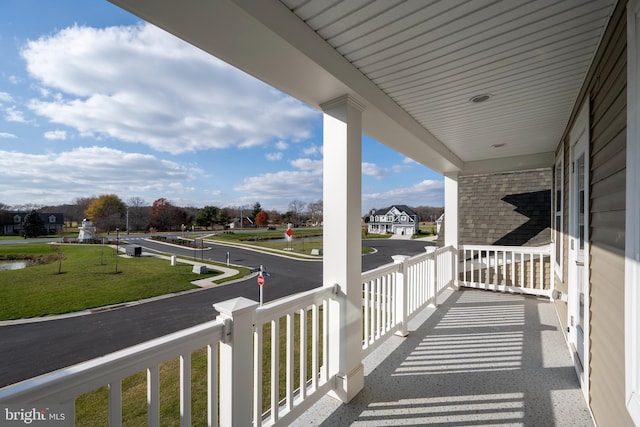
(13, 265)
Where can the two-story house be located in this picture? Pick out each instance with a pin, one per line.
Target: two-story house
(396, 219)
(11, 222)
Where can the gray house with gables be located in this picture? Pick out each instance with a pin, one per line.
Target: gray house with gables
(11, 222)
(396, 219)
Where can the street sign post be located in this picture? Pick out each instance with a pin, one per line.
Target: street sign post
(261, 283)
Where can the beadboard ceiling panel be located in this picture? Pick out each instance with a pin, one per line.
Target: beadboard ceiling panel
(433, 57)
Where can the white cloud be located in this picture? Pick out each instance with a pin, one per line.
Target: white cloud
(83, 172)
(314, 166)
(5, 97)
(281, 145)
(409, 160)
(140, 84)
(278, 189)
(272, 157)
(56, 134)
(14, 115)
(312, 150)
(7, 135)
(424, 193)
(371, 169)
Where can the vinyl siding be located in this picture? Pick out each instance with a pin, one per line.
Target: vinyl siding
(605, 87)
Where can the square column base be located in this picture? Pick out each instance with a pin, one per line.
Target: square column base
(348, 386)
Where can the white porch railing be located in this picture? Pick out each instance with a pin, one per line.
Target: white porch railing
(507, 268)
(393, 293)
(265, 365)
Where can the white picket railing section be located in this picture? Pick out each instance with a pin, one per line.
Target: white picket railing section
(302, 389)
(507, 268)
(65, 385)
(393, 293)
(236, 374)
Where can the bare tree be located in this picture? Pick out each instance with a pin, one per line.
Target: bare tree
(297, 207)
(138, 214)
(315, 211)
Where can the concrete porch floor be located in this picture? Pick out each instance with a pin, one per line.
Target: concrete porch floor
(482, 358)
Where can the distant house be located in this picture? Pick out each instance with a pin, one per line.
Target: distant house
(396, 219)
(246, 223)
(11, 222)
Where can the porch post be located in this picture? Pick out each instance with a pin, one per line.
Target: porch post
(401, 294)
(342, 251)
(236, 361)
(451, 218)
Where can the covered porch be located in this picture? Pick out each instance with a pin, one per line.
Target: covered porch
(480, 358)
(464, 88)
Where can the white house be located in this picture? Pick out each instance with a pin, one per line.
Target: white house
(396, 219)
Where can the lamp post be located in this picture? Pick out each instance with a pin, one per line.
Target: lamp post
(117, 246)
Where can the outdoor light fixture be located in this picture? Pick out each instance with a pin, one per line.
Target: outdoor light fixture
(480, 98)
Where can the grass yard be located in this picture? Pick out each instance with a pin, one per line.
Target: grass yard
(84, 278)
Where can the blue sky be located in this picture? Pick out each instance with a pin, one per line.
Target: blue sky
(94, 101)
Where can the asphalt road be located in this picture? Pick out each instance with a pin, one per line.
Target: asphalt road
(31, 349)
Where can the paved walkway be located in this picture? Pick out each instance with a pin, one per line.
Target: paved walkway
(482, 358)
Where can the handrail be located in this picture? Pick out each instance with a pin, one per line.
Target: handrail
(65, 384)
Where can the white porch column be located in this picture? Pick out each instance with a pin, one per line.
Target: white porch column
(342, 265)
(451, 209)
(451, 237)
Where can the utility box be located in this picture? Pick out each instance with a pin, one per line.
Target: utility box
(200, 269)
(134, 250)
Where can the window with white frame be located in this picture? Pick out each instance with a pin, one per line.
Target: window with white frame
(632, 232)
(558, 199)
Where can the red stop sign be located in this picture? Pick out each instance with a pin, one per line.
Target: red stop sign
(260, 279)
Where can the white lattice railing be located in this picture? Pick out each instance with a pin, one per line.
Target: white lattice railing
(507, 268)
(265, 365)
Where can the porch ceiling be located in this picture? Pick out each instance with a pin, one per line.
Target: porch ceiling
(415, 65)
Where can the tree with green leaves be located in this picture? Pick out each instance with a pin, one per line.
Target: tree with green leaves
(207, 216)
(33, 226)
(256, 209)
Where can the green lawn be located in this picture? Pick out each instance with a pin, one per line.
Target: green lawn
(88, 279)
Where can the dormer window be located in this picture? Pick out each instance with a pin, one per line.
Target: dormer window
(17, 219)
(52, 219)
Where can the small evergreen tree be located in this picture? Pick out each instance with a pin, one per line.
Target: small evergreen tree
(33, 226)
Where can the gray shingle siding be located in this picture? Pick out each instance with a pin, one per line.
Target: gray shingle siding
(510, 209)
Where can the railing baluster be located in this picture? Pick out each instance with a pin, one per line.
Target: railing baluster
(153, 395)
(303, 354)
(315, 327)
(275, 368)
(289, 347)
(325, 341)
(212, 384)
(115, 403)
(367, 314)
(185, 389)
(258, 340)
(531, 272)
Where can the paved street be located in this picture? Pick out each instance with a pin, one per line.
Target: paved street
(31, 349)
